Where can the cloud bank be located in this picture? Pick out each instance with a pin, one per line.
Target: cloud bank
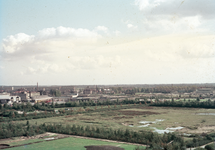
(171, 16)
(173, 42)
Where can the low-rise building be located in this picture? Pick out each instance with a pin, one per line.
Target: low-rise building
(25, 96)
(204, 91)
(41, 98)
(7, 98)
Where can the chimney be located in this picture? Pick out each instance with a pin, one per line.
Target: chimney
(37, 86)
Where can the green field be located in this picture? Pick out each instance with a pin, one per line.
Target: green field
(70, 143)
(121, 119)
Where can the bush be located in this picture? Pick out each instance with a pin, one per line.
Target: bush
(209, 147)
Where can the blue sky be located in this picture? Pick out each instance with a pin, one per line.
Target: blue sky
(31, 16)
(106, 42)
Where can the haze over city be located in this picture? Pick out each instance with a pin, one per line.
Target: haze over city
(107, 42)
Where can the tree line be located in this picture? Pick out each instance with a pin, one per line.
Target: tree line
(9, 129)
(50, 107)
(154, 140)
(195, 104)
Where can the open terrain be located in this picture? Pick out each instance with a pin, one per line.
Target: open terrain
(193, 120)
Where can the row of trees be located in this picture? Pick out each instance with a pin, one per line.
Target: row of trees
(156, 141)
(47, 107)
(200, 140)
(195, 104)
(27, 107)
(10, 129)
(156, 89)
(167, 141)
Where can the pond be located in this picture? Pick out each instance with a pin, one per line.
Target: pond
(147, 123)
(151, 122)
(167, 130)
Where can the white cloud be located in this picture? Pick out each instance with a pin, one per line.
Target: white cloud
(12, 42)
(167, 16)
(80, 56)
(74, 64)
(47, 32)
(44, 68)
(131, 26)
(182, 8)
(101, 28)
(47, 41)
(148, 4)
(68, 32)
(173, 24)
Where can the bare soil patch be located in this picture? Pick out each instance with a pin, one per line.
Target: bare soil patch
(85, 119)
(2, 140)
(4, 146)
(70, 120)
(127, 124)
(73, 115)
(69, 116)
(146, 107)
(136, 113)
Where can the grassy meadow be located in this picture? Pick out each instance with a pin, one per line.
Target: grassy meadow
(130, 118)
(70, 143)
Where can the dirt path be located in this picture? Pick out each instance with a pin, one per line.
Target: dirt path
(203, 146)
(206, 144)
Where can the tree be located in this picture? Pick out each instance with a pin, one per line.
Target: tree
(13, 115)
(53, 105)
(14, 105)
(57, 93)
(172, 99)
(5, 105)
(27, 123)
(24, 114)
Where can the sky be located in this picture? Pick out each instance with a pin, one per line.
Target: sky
(94, 42)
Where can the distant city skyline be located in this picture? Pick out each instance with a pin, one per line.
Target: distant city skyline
(80, 42)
